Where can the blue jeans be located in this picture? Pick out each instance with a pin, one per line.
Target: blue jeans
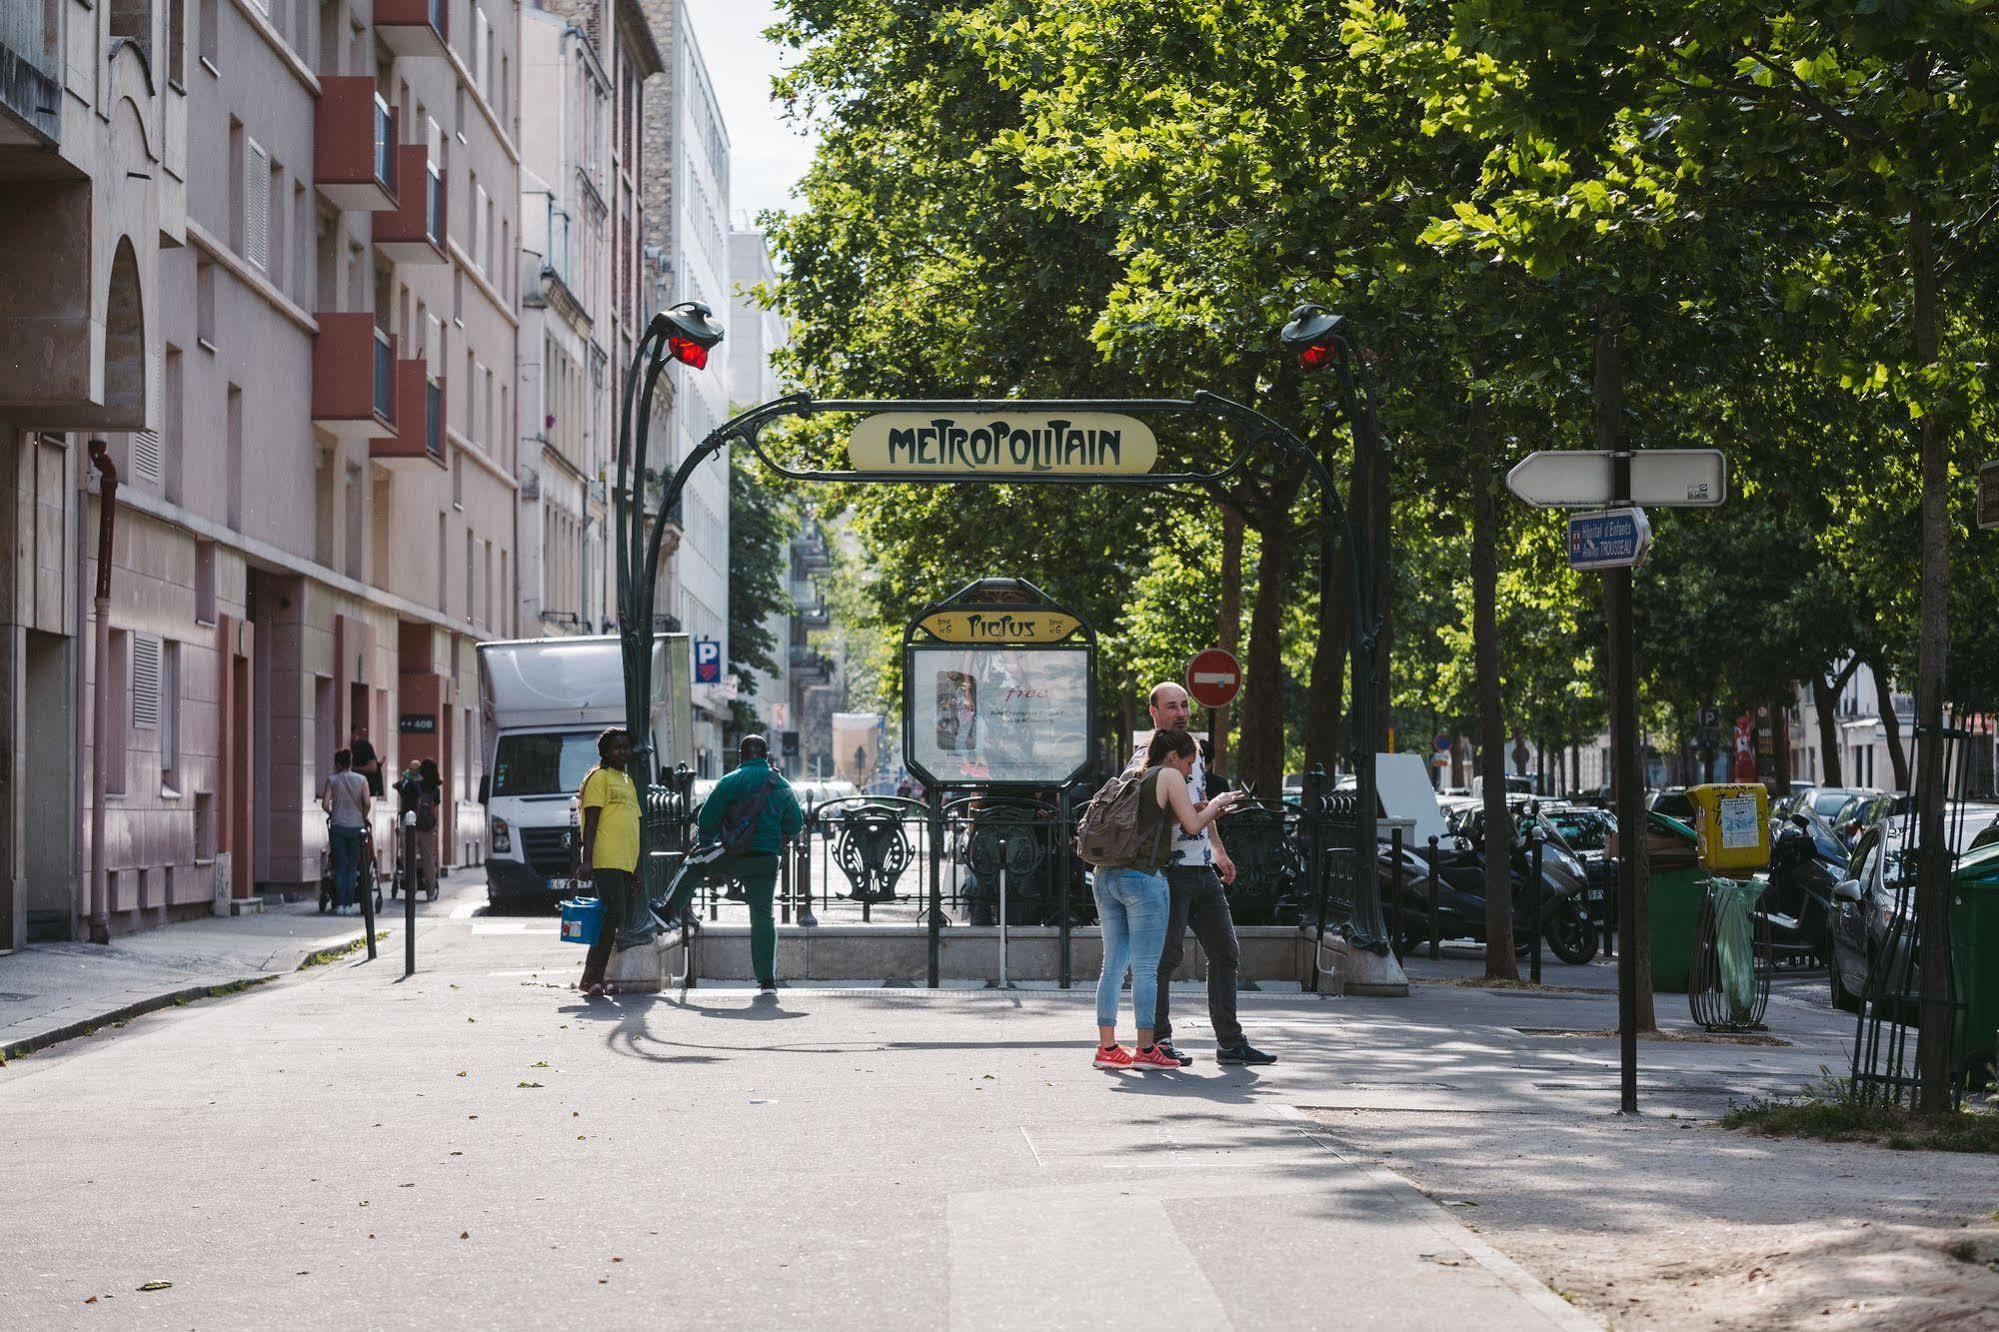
(1132, 907)
(346, 863)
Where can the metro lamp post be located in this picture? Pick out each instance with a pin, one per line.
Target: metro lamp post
(1320, 338)
(685, 333)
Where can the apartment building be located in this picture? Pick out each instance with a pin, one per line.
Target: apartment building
(686, 214)
(93, 188)
(585, 64)
(304, 366)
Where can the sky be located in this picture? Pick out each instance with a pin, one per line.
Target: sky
(766, 155)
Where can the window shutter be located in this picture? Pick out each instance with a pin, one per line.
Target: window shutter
(145, 681)
(479, 45)
(146, 457)
(257, 204)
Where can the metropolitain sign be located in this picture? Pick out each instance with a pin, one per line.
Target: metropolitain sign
(1011, 444)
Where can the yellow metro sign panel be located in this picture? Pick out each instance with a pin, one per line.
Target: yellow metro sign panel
(942, 443)
(1000, 626)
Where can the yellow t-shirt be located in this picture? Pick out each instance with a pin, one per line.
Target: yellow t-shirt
(617, 844)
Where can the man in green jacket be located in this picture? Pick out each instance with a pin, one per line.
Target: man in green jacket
(744, 823)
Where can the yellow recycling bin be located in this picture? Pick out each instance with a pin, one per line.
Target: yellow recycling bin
(1731, 826)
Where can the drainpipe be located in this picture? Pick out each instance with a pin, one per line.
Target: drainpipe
(100, 723)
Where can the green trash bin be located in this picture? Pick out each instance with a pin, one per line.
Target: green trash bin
(1679, 887)
(1974, 933)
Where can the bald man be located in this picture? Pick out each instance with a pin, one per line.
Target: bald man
(1197, 872)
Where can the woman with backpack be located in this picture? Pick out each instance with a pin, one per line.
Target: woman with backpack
(1133, 901)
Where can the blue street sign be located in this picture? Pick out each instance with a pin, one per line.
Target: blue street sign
(1612, 539)
(707, 661)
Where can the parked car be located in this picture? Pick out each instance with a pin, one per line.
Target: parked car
(1864, 908)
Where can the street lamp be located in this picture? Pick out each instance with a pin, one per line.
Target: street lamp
(691, 331)
(1318, 338)
(685, 333)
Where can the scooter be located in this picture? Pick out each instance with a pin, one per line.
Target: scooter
(1566, 917)
(1797, 903)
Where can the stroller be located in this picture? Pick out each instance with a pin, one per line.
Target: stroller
(365, 883)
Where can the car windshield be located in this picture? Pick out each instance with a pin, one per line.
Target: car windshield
(1583, 832)
(1827, 803)
(1675, 805)
(553, 763)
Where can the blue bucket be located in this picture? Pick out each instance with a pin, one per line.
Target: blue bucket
(582, 918)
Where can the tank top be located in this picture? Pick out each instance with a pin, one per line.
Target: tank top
(1155, 849)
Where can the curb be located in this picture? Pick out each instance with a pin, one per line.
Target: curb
(28, 1045)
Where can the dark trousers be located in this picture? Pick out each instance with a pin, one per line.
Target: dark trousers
(614, 890)
(1199, 901)
(757, 872)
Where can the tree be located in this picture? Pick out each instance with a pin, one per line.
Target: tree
(761, 524)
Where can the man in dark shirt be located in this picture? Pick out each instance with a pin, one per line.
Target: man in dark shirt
(366, 762)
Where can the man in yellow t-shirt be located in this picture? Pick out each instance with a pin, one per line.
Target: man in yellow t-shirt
(610, 845)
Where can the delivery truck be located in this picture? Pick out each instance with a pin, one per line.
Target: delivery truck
(544, 702)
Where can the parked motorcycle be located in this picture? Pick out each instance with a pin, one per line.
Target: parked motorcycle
(1807, 861)
(1566, 918)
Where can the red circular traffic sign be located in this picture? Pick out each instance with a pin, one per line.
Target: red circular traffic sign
(1213, 678)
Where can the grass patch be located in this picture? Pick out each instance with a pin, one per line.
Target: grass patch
(1831, 1110)
(328, 955)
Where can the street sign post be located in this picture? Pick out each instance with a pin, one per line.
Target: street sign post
(1583, 479)
(1988, 495)
(1613, 539)
(1213, 678)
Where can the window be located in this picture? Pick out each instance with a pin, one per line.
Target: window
(118, 677)
(170, 717)
(204, 828)
(133, 21)
(177, 43)
(145, 456)
(482, 47)
(469, 585)
(176, 433)
(204, 302)
(482, 214)
(234, 460)
(443, 540)
(458, 479)
(204, 582)
(210, 22)
(256, 194)
(145, 682)
(354, 497)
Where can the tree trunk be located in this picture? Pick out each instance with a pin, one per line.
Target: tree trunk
(1933, 641)
(1261, 762)
(1228, 628)
(1499, 960)
(1780, 745)
(1825, 702)
(1891, 724)
(1329, 660)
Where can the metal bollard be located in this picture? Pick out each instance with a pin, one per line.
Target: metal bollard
(1395, 902)
(410, 871)
(367, 891)
(936, 920)
(1436, 941)
(1535, 892)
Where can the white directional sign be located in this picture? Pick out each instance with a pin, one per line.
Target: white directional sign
(1581, 478)
(1613, 539)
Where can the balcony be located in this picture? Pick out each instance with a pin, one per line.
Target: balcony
(413, 231)
(415, 28)
(31, 88)
(419, 399)
(354, 145)
(809, 666)
(353, 377)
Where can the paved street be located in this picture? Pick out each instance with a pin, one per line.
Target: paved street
(477, 1147)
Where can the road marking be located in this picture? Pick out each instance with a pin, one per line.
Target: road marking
(464, 910)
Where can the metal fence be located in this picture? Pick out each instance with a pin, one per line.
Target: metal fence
(977, 859)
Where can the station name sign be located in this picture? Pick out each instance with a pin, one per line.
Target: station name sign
(1000, 626)
(1012, 444)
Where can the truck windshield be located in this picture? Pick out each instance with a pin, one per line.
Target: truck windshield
(550, 764)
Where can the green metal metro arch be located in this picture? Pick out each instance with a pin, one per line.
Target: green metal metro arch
(638, 540)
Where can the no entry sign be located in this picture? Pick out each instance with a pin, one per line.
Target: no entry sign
(1213, 678)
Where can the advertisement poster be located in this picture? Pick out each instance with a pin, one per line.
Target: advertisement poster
(999, 714)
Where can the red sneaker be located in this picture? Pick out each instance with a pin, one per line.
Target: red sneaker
(1113, 1056)
(1155, 1058)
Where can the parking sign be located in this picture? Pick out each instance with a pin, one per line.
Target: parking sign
(707, 661)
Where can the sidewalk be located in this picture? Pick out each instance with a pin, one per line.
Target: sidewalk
(52, 992)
